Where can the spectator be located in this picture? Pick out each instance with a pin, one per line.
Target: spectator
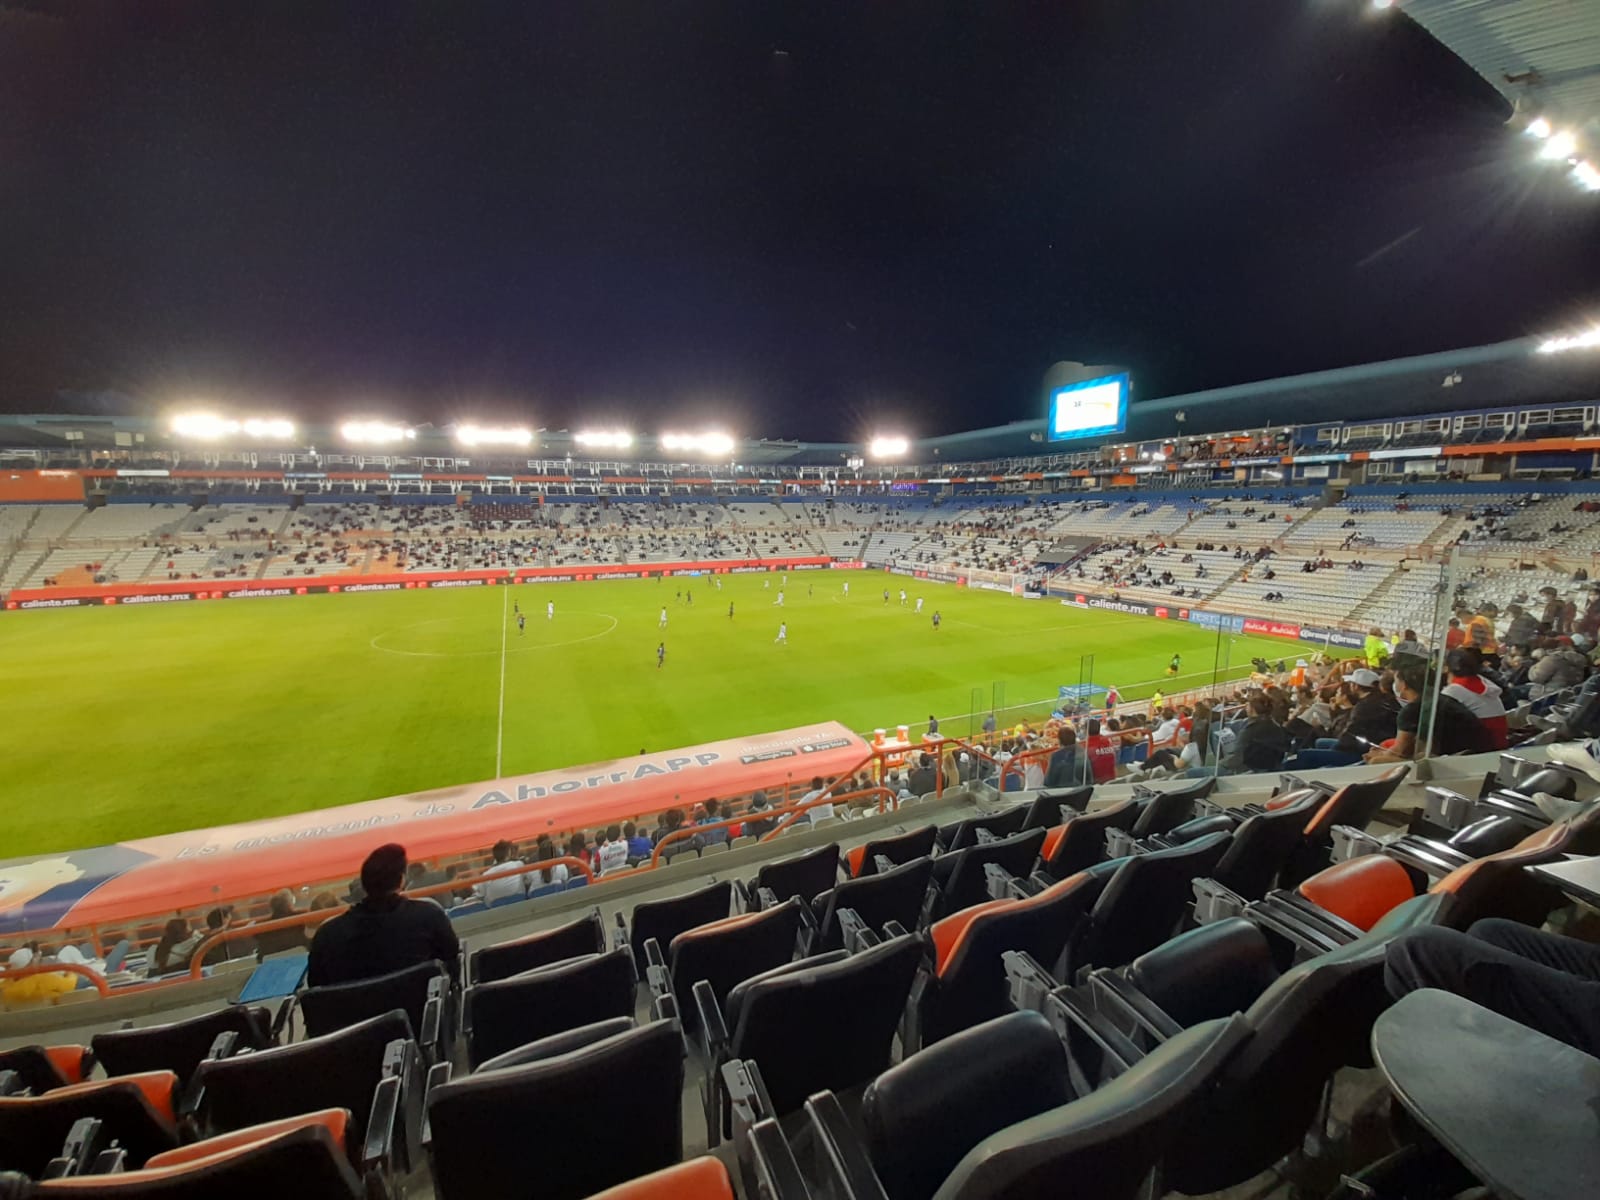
(1102, 753)
(1454, 635)
(277, 941)
(922, 777)
(613, 854)
(578, 847)
(1375, 648)
(1560, 666)
(419, 875)
(1455, 728)
(1372, 715)
(176, 947)
(822, 811)
(756, 826)
(671, 822)
(1064, 761)
(497, 884)
(1165, 735)
(639, 844)
(711, 814)
(1523, 628)
(217, 920)
(1542, 980)
(1409, 647)
(1481, 696)
(44, 986)
(385, 932)
(1262, 742)
(323, 900)
(1480, 630)
(545, 852)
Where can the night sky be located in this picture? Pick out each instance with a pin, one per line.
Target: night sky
(799, 218)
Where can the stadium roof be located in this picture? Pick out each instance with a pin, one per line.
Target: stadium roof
(1501, 375)
(1543, 56)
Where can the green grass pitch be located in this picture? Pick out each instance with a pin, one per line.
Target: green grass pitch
(129, 721)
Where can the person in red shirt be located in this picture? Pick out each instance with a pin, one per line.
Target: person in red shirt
(1102, 751)
(1480, 696)
(1454, 635)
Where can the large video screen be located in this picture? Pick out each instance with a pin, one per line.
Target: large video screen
(1090, 408)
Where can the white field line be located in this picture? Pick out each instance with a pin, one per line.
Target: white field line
(500, 723)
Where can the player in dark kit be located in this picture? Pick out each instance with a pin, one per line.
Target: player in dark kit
(936, 618)
(730, 610)
(1175, 665)
(522, 623)
(661, 655)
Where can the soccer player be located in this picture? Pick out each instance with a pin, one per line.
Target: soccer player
(783, 633)
(936, 618)
(902, 597)
(919, 605)
(809, 591)
(661, 654)
(549, 610)
(779, 601)
(886, 595)
(716, 582)
(1175, 665)
(766, 583)
(680, 595)
(514, 607)
(784, 582)
(688, 598)
(730, 610)
(847, 589)
(662, 624)
(522, 623)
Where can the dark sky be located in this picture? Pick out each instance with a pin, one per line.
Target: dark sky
(642, 210)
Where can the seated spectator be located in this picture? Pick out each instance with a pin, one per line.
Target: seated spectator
(1559, 666)
(176, 947)
(419, 875)
(1542, 980)
(817, 792)
(385, 932)
(1101, 751)
(1480, 695)
(922, 778)
(755, 826)
(1063, 769)
(277, 941)
(493, 889)
(672, 821)
(613, 854)
(711, 813)
(1455, 728)
(639, 843)
(578, 847)
(545, 851)
(1262, 742)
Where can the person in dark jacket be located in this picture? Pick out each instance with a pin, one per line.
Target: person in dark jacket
(385, 931)
(1262, 742)
(1062, 771)
(1372, 719)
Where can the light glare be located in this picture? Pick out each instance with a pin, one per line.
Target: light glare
(375, 432)
(888, 446)
(715, 444)
(604, 439)
(1588, 340)
(1539, 127)
(209, 426)
(484, 435)
(1587, 176)
(1559, 145)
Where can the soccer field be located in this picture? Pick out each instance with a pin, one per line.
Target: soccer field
(128, 721)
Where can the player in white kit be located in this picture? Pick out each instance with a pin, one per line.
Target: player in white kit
(919, 603)
(662, 624)
(783, 633)
(550, 610)
(847, 588)
(779, 600)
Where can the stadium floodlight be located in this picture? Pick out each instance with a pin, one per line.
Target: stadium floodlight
(1589, 339)
(888, 446)
(603, 439)
(1562, 144)
(375, 433)
(210, 427)
(1382, 4)
(714, 444)
(1539, 127)
(490, 435)
(1587, 176)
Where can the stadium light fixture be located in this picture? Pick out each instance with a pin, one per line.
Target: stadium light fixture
(1587, 176)
(891, 446)
(604, 439)
(1589, 339)
(714, 444)
(375, 433)
(1382, 4)
(210, 427)
(1539, 127)
(1559, 145)
(490, 435)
